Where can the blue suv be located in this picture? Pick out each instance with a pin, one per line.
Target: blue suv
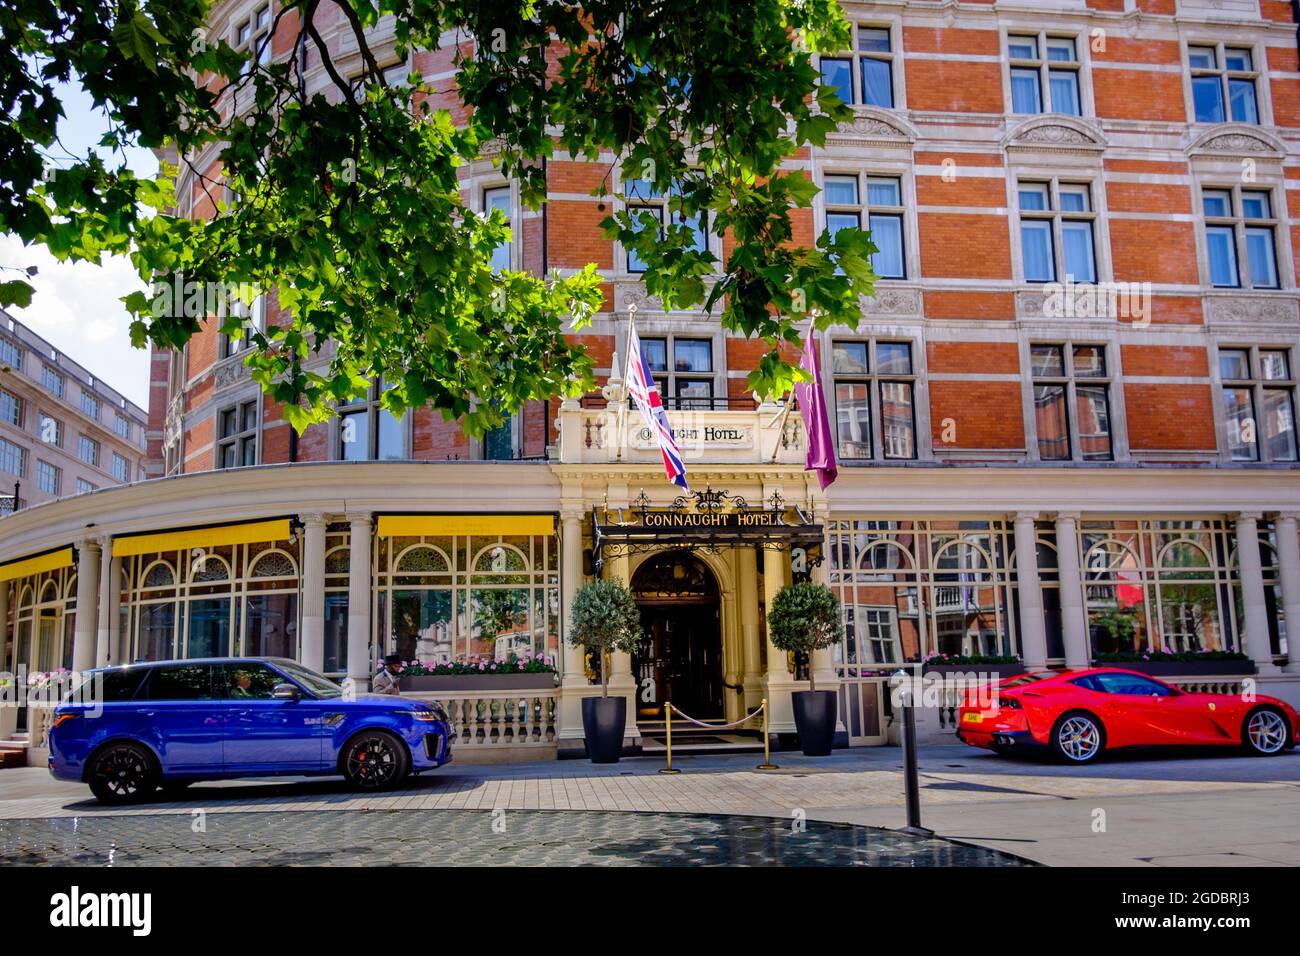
(130, 730)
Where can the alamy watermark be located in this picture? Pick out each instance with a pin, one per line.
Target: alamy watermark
(1098, 300)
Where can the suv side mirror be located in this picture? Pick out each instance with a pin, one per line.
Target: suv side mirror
(285, 691)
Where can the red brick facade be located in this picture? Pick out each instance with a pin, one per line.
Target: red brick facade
(966, 304)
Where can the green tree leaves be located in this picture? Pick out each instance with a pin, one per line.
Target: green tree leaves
(347, 204)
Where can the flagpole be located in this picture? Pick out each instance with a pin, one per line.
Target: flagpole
(627, 357)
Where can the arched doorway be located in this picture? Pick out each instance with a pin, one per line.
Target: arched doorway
(681, 647)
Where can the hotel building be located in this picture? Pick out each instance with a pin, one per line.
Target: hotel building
(1065, 424)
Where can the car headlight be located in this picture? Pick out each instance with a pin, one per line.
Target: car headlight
(430, 715)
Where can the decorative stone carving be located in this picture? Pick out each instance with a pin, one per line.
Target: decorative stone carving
(871, 127)
(1259, 310)
(1053, 133)
(892, 302)
(228, 373)
(1236, 139)
(634, 293)
(1236, 143)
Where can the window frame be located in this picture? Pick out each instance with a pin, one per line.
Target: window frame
(668, 380)
(54, 470)
(125, 477)
(1237, 221)
(1044, 66)
(18, 405)
(657, 204)
(50, 376)
(874, 379)
(93, 445)
(242, 434)
(512, 217)
(11, 353)
(254, 315)
(1058, 217)
(9, 449)
(864, 211)
(855, 55)
(1072, 381)
(370, 405)
(58, 428)
(1257, 385)
(91, 405)
(1226, 78)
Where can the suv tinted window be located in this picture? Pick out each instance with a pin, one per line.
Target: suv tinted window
(250, 681)
(116, 685)
(182, 682)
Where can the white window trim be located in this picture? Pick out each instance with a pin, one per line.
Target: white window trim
(1254, 346)
(1258, 55)
(1083, 52)
(1114, 381)
(1280, 225)
(898, 73)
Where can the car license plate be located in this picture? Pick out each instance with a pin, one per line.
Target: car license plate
(973, 718)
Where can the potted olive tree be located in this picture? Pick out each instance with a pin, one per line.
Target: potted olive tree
(605, 618)
(806, 617)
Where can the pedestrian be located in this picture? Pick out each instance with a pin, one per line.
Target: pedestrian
(385, 681)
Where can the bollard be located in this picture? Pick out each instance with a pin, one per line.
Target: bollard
(767, 746)
(911, 778)
(668, 724)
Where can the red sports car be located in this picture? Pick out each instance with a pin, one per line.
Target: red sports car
(1079, 714)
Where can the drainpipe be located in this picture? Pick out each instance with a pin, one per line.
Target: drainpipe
(546, 402)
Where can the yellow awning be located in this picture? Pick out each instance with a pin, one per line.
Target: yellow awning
(250, 532)
(392, 526)
(50, 561)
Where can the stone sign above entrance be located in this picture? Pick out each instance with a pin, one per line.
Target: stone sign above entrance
(707, 519)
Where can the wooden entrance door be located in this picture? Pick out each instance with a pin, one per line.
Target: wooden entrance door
(681, 658)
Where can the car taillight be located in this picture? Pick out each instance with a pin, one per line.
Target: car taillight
(1010, 703)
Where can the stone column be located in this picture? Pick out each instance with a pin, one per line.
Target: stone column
(620, 671)
(1033, 627)
(7, 659)
(113, 609)
(312, 650)
(779, 684)
(8, 664)
(1288, 566)
(1074, 620)
(570, 580)
(1252, 593)
(104, 606)
(822, 665)
(84, 635)
(359, 597)
(747, 581)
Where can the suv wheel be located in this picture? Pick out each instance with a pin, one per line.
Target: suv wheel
(374, 760)
(123, 773)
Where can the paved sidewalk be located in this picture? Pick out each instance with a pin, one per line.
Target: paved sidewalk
(1200, 811)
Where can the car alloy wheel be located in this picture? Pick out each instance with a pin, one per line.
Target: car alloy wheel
(1079, 738)
(1266, 731)
(373, 762)
(122, 775)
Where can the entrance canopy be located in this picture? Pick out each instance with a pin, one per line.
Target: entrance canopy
(705, 519)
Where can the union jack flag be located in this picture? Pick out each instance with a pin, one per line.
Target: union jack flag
(641, 386)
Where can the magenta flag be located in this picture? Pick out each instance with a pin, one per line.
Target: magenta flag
(816, 421)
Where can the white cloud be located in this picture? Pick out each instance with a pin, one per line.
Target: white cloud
(77, 306)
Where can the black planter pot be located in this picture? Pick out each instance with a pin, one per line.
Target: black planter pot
(603, 722)
(814, 719)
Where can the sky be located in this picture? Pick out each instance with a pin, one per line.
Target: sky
(77, 306)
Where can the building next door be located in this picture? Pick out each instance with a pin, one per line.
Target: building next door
(680, 655)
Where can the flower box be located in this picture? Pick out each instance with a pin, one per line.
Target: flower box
(433, 683)
(1221, 668)
(999, 670)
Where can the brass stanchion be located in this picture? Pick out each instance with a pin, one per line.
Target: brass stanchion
(767, 747)
(668, 722)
